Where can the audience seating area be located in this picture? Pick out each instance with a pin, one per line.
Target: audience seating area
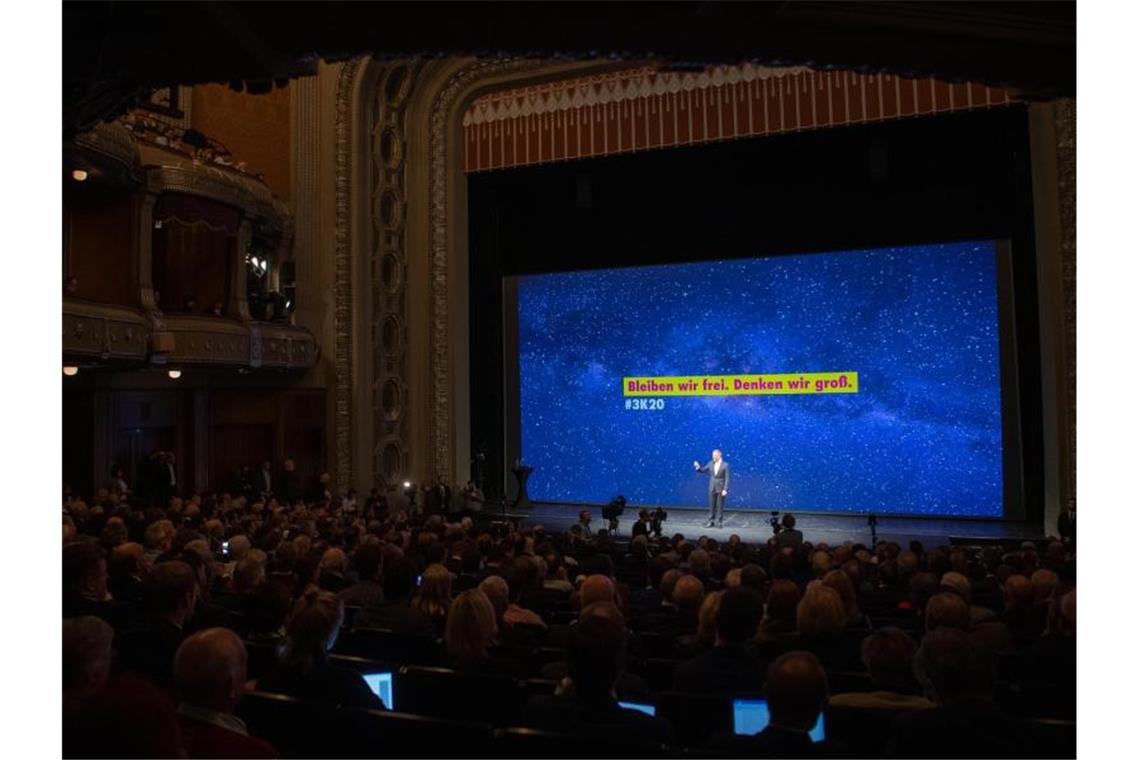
(455, 697)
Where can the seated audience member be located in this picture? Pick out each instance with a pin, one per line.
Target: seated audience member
(434, 596)
(248, 575)
(556, 579)
(888, 655)
(705, 637)
(687, 595)
(796, 689)
(596, 661)
(1044, 581)
(85, 590)
(821, 620)
(127, 569)
(522, 576)
(1025, 619)
(780, 611)
(130, 717)
(841, 582)
(210, 674)
(397, 613)
(947, 610)
(170, 594)
(957, 676)
(960, 585)
(87, 643)
(729, 667)
(267, 611)
(366, 592)
(304, 670)
(754, 576)
(471, 632)
(333, 571)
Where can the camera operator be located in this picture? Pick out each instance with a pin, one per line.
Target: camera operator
(656, 517)
(788, 536)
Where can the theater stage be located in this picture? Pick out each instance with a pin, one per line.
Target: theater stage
(752, 526)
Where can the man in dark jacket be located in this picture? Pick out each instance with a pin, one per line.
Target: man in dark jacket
(729, 668)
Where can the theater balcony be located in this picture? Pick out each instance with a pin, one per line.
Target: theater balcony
(174, 255)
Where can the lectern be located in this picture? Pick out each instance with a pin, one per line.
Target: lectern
(522, 500)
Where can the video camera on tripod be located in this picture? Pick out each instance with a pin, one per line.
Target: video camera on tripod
(774, 521)
(613, 511)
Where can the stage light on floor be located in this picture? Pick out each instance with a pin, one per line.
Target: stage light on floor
(79, 175)
(174, 374)
(70, 371)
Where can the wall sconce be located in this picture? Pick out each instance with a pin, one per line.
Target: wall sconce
(79, 175)
(174, 374)
(70, 370)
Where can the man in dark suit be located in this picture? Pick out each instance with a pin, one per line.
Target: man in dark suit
(597, 656)
(263, 482)
(797, 693)
(729, 668)
(717, 469)
(171, 594)
(210, 670)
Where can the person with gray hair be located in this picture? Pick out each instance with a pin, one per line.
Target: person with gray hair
(888, 654)
(210, 675)
(87, 644)
(958, 677)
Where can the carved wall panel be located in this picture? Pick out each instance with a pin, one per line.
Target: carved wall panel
(387, 265)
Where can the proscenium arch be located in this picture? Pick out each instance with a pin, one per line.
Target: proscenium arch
(436, 364)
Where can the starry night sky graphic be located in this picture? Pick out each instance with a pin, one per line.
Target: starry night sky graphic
(919, 324)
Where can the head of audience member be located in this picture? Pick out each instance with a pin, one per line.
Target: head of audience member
(497, 592)
(1043, 583)
(820, 564)
(523, 575)
(796, 686)
(85, 571)
(788, 521)
(597, 588)
(783, 601)
(210, 670)
(334, 562)
(821, 614)
(706, 619)
(471, 627)
(87, 647)
(956, 583)
(239, 547)
(268, 608)
(367, 562)
(841, 582)
(888, 654)
(158, 536)
(170, 592)
(128, 561)
(248, 574)
(699, 563)
(738, 616)
(732, 578)
(951, 668)
(754, 577)
(596, 657)
(688, 593)
(1017, 592)
(947, 610)
(922, 586)
(312, 629)
(398, 580)
(434, 596)
(669, 583)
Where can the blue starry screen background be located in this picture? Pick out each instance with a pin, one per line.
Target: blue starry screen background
(919, 324)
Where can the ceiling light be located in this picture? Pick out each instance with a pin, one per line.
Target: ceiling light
(174, 374)
(70, 371)
(79, 175)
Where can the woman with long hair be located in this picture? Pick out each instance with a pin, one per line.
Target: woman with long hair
(434, 596)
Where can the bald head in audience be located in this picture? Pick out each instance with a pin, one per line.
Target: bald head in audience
(597, 588)
(688, 593)
(210, 670)
(1017, 592)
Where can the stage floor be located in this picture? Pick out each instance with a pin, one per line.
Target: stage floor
(752, 526)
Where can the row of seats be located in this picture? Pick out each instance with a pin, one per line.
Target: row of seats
(302, 729)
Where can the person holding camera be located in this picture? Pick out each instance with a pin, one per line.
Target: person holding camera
(789, 536)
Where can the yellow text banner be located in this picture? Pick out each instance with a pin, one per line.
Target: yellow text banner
(789, 384)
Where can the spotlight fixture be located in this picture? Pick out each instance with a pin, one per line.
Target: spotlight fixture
(70, 371)
(79, 175)
(174, 374)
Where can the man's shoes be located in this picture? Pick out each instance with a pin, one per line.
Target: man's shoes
(709, 524)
